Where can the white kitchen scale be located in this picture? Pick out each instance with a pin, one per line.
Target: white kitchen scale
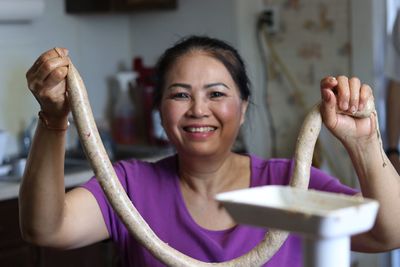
(325, 221)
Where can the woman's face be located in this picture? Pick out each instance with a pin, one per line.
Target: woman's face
(201, 108)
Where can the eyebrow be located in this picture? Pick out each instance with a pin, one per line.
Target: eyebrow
(188, 87)
(216, 84)
(183, 85)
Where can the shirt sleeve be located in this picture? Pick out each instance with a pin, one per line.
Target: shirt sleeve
(322, 181)
(110, 217)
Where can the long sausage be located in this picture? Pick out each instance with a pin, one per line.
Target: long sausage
(133, 221)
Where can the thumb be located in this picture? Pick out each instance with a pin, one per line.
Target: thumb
(328, 108)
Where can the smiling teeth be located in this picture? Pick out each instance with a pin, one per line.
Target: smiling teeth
(200, 129)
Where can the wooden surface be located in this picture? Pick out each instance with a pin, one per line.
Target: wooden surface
(15, 252)
(116, 6)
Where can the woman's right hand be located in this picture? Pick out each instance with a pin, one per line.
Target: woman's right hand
(46, 80)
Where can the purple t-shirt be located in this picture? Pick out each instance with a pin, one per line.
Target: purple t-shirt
(154, 190)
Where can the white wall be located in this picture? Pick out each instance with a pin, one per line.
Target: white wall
(368, 41)
(97, 44)
(368, 36)
(256, 134)
(153, 32)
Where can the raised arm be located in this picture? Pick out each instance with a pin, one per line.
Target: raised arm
(48, 216)
(377, 176)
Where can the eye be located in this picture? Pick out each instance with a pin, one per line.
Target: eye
(216, 94)
(180, 95)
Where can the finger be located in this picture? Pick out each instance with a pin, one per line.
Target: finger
(55, 77)
(59, 51)
(50, 54)
(42, 73)
(343, 93)
(49, 66)
(53, 88)
(365, 95)
(52, 96)
(328, 108)
(355, 85)
(328, 82)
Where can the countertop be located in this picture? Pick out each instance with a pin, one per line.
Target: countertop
(9, 189)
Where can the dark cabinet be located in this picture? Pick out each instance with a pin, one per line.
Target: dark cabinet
(22, 256)
(13, 250)
(17, 253)
(101, 254)
(116, 6)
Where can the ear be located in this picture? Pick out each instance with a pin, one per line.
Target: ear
(245, 104)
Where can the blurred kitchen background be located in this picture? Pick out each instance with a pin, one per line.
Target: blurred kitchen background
(288, 45)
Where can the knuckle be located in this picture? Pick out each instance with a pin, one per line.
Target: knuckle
(31, 86)
(34, 86)
(28, 74)
(354, 80)
(59, 73)
(40, 94)
(47, 66)
(45, 95)
(346, 94)
(41, 59)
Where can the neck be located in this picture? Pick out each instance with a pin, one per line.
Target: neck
(207, 175)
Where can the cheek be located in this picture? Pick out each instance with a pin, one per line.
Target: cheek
(231, 110)
(169, 115)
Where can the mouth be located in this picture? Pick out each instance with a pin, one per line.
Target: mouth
(202, 129)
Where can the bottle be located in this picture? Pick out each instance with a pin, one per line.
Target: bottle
(124, 113)
(146, 85)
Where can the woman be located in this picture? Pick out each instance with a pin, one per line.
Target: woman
(203, 94)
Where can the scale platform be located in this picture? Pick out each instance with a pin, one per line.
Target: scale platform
(324, 220)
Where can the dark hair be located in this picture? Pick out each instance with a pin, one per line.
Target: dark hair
(217, 49)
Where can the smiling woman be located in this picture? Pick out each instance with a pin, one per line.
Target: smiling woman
(202, 94)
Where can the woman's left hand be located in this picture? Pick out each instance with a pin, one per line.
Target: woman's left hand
(341, 97)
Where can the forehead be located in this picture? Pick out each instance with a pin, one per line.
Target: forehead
(198, 63)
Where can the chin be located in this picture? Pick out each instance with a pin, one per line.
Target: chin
(202, 152)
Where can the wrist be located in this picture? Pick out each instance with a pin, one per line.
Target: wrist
(366, 151)
(53, 123)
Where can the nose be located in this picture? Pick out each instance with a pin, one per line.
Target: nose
(198, 108)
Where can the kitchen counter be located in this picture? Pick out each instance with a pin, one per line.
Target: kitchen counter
(9, 189)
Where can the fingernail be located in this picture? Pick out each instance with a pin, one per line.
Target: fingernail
(353, 109)
(345, 105)
(58, 51)
(360, 106)
(332, 79)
